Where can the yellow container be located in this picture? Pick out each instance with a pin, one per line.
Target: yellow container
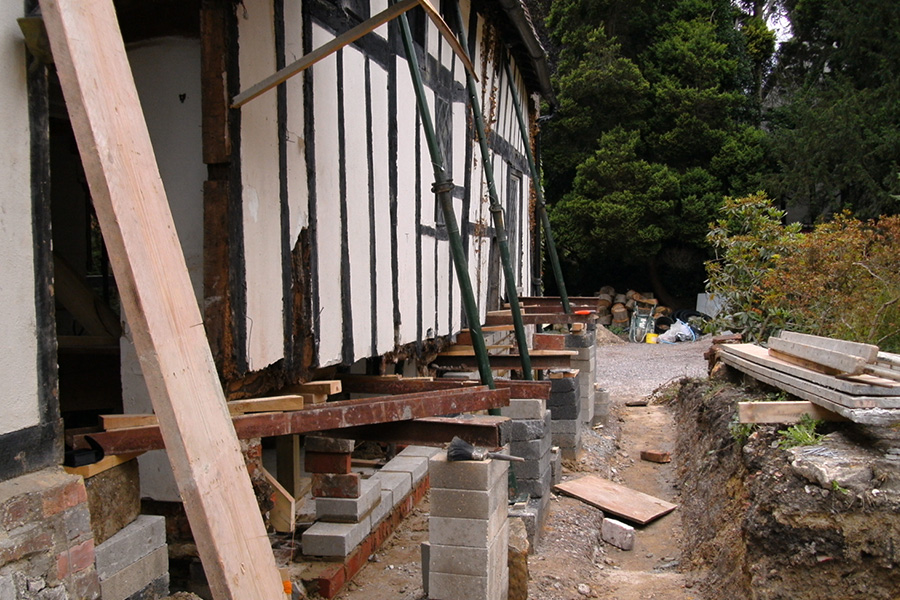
(651, 338)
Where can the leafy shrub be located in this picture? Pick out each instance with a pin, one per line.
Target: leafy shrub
(840, 280)
(802, 433)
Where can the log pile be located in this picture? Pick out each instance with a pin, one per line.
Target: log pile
(615, 308)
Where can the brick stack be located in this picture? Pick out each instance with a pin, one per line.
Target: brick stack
(565, 408)
(134, 563)
(468, 530)
(344, 501)
(46, 544)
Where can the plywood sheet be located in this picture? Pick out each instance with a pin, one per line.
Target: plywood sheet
(616, 499)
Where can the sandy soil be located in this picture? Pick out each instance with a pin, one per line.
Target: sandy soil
(571, 562)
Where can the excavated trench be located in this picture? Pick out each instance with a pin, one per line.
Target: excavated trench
(765, 523)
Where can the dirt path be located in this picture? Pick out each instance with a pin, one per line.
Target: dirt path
(571, 562)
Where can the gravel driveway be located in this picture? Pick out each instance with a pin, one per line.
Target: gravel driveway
(635, 370)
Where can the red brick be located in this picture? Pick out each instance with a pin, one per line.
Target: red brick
(327, 462)
(549, 341)
(20, 510)
(331, 582)
(75, 559)
(60, 498)
(328, 485)
(18, 547)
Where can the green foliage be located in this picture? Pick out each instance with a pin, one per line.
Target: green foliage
(740, 432)
(802, 433)
(748, 240)
(651, 131)
(840, 280)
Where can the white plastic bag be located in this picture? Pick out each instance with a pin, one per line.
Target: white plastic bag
(678, 332)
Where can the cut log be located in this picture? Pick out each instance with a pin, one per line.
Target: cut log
(158, 299)
(604, 300)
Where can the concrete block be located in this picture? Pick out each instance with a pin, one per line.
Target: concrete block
(523, 430)
(426, 451)
(336, 485)
(465, 475)
(617, 533)
(425, 549)
(467, 504)
(416, 466)
(532, 469)
(383, 508)
(566, 440)
(531, 450)
(524, 408)
(555, 466)
(563, 398)
(563, 384)
(584, 355)
(470, 561)
(158, 589)
(318, 443)
(350, 510)
(575, 341)
(473, 533)
(536, 488)
(450, 586)
(334, 539)
(136, 576)
(565, 412)
(564, 426)
(399, 484)
(138, 539)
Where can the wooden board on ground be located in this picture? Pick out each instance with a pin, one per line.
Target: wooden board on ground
(867, 352)
(158, 298)
(616, 499)
(783, 412)
(760, 356)
(839, 361)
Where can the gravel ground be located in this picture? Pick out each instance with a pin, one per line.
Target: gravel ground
(631, 371)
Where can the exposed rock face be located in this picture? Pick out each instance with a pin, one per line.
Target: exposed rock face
(801, 524)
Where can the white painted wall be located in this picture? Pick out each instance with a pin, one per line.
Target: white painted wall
(406, 214)
(261, 188)
(380, 171)
(328, 215)
(298, 189)
(167, 76)
(18, 360)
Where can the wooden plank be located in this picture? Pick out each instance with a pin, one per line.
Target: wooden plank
(783, 412)
(289, 467)
(333, 415)
(112, 422)
(806, 364)
(283, 515)
(888, 359)
(503, 361)
(324, 387)
(882, 372)
(270, 404)
(839, 361)
(801, 389)
(159, 302)
(616, 499)
(855, 387)
(540, 319)
(104, 464)
(868, 352)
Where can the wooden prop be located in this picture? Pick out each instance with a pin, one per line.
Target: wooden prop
(783, 412)
(158, 299)
(390, 13)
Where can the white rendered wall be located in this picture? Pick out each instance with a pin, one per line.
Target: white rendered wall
(406, 202)
(328, 212)
(167, 75)
(18, 360)
(298, 190)
(380, 171)
(261, 188)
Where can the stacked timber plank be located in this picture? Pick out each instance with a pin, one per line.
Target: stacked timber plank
(853, 380)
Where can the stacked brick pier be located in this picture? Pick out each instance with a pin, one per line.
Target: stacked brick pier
(344, 501)
(468, 530)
